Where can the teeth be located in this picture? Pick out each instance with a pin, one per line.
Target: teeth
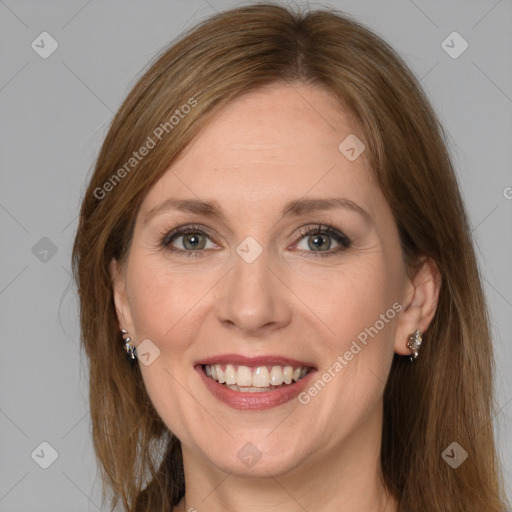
(288, 374)
(245, 378)
(276, 376)
(230, 375)
(261, 377)
(249, 389)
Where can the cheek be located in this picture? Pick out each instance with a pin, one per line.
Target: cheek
(360, 309)
(162, 305)
(161, 297)
(352, 299)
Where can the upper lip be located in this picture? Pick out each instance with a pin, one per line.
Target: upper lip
(270, 360)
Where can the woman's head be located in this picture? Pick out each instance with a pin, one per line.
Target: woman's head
(250, 282)
(265, 114)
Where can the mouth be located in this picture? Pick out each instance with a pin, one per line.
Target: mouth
(254, 383)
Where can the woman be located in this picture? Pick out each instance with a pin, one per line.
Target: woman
(274, 233)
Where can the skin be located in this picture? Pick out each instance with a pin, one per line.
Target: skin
(266, 148)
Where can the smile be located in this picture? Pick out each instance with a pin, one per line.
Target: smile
(255, 383)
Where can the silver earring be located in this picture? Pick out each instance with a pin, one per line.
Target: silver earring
(414, 344)
(130, 349)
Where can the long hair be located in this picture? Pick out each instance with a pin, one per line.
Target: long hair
(446, 396)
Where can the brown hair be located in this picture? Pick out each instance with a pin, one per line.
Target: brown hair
(446, 396)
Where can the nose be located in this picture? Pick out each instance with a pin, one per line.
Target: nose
(253, 299)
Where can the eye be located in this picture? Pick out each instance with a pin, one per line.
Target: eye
(316, 239)
(192, 240)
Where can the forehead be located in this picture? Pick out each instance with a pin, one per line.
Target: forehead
(268, 146)
(278, 118)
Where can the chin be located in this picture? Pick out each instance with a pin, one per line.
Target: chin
(255, 461)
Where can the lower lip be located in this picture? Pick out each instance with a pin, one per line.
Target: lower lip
(256, 401)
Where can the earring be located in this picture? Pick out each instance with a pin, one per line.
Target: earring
(414, 344)
(130, 349)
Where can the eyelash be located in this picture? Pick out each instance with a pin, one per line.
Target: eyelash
(338, 236)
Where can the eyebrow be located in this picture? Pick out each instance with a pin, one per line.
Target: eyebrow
(291, 209)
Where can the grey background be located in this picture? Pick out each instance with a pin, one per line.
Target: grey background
(54, 115)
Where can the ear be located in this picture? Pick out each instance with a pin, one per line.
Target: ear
(118, 278)
(419, 305)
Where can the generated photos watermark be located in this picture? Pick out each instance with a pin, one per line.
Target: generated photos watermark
(343, 360)
(137, 156)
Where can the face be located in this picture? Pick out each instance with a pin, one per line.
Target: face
(267, 258)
